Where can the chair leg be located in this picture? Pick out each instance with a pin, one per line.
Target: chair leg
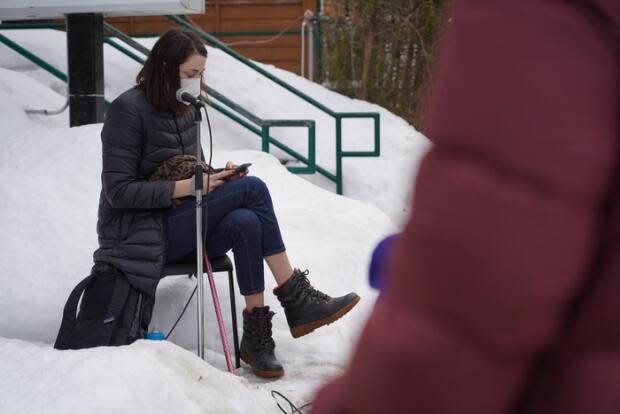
(233, 309)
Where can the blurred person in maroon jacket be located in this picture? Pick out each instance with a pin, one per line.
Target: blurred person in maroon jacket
(503, 292)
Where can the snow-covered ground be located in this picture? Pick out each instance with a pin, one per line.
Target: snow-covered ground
(50, 185)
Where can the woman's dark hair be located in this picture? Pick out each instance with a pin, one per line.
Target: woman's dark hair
(159, 77)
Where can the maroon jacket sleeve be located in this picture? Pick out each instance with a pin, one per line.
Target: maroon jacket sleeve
(523, 121)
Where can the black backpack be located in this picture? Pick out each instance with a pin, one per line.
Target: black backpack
(111, 313)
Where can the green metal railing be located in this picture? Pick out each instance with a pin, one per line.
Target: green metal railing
(232, 110)
(31, 25)
(262, 130)
(225, 105)
(338, 116)
(31, 56)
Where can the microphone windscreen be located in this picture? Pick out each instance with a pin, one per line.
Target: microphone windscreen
(179, 95)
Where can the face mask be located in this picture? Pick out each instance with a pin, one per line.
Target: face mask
(192, 85)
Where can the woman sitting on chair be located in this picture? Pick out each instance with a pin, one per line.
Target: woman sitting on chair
(140, 229)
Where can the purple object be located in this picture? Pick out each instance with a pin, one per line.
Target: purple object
(378, 263)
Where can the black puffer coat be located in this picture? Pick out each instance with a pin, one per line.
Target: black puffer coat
(136, 138)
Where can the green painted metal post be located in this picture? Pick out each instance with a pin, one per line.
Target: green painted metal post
(312, 144)
(339, 155)
(265, 137)
(377, 119)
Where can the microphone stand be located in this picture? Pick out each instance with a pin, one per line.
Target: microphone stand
(201, 257)
(198, 171)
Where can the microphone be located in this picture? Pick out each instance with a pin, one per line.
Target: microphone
(184, 95)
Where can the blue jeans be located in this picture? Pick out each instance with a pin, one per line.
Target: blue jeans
(239, 216)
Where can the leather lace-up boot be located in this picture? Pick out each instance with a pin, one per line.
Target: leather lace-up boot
(307, 308)
(257, 345)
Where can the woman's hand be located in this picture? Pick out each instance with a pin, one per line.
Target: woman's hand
(183, 188)
(231, 166)
(216, 179)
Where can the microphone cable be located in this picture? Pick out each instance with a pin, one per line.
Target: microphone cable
(292, 407)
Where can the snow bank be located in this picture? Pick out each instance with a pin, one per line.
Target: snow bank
(50, 186)
(147, 376)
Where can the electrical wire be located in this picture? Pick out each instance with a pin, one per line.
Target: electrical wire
(209, 170)
(182, 312)
(254, 42)
(210, 138)
(265, 41)
(294, 409)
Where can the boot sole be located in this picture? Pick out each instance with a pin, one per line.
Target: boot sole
(259, 372)
(309, 327)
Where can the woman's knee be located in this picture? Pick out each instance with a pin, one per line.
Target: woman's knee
(256, 184)
(243, 219)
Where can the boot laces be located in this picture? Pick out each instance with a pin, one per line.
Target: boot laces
(262, 333)
(315, 295)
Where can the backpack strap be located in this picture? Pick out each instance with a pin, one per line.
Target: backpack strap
(69, 314)
(120, 293)
(67, 334)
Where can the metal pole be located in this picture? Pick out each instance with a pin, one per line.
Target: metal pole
(201, 257)
(307, 21)
(85, 68)
(303, 48)
(199, 246)
(311, 51)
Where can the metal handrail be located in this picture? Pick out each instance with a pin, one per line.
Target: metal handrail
(31, 25)
(310, 161)
(123, 50)
(33, 58)
(264, 125)
(38, 61)
(111, 30)
(338, 116)
(220, 45)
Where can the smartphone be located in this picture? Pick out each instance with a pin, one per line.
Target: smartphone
(239, 169)
(243, 167)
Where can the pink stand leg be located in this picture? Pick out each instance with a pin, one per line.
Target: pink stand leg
(218, 314)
